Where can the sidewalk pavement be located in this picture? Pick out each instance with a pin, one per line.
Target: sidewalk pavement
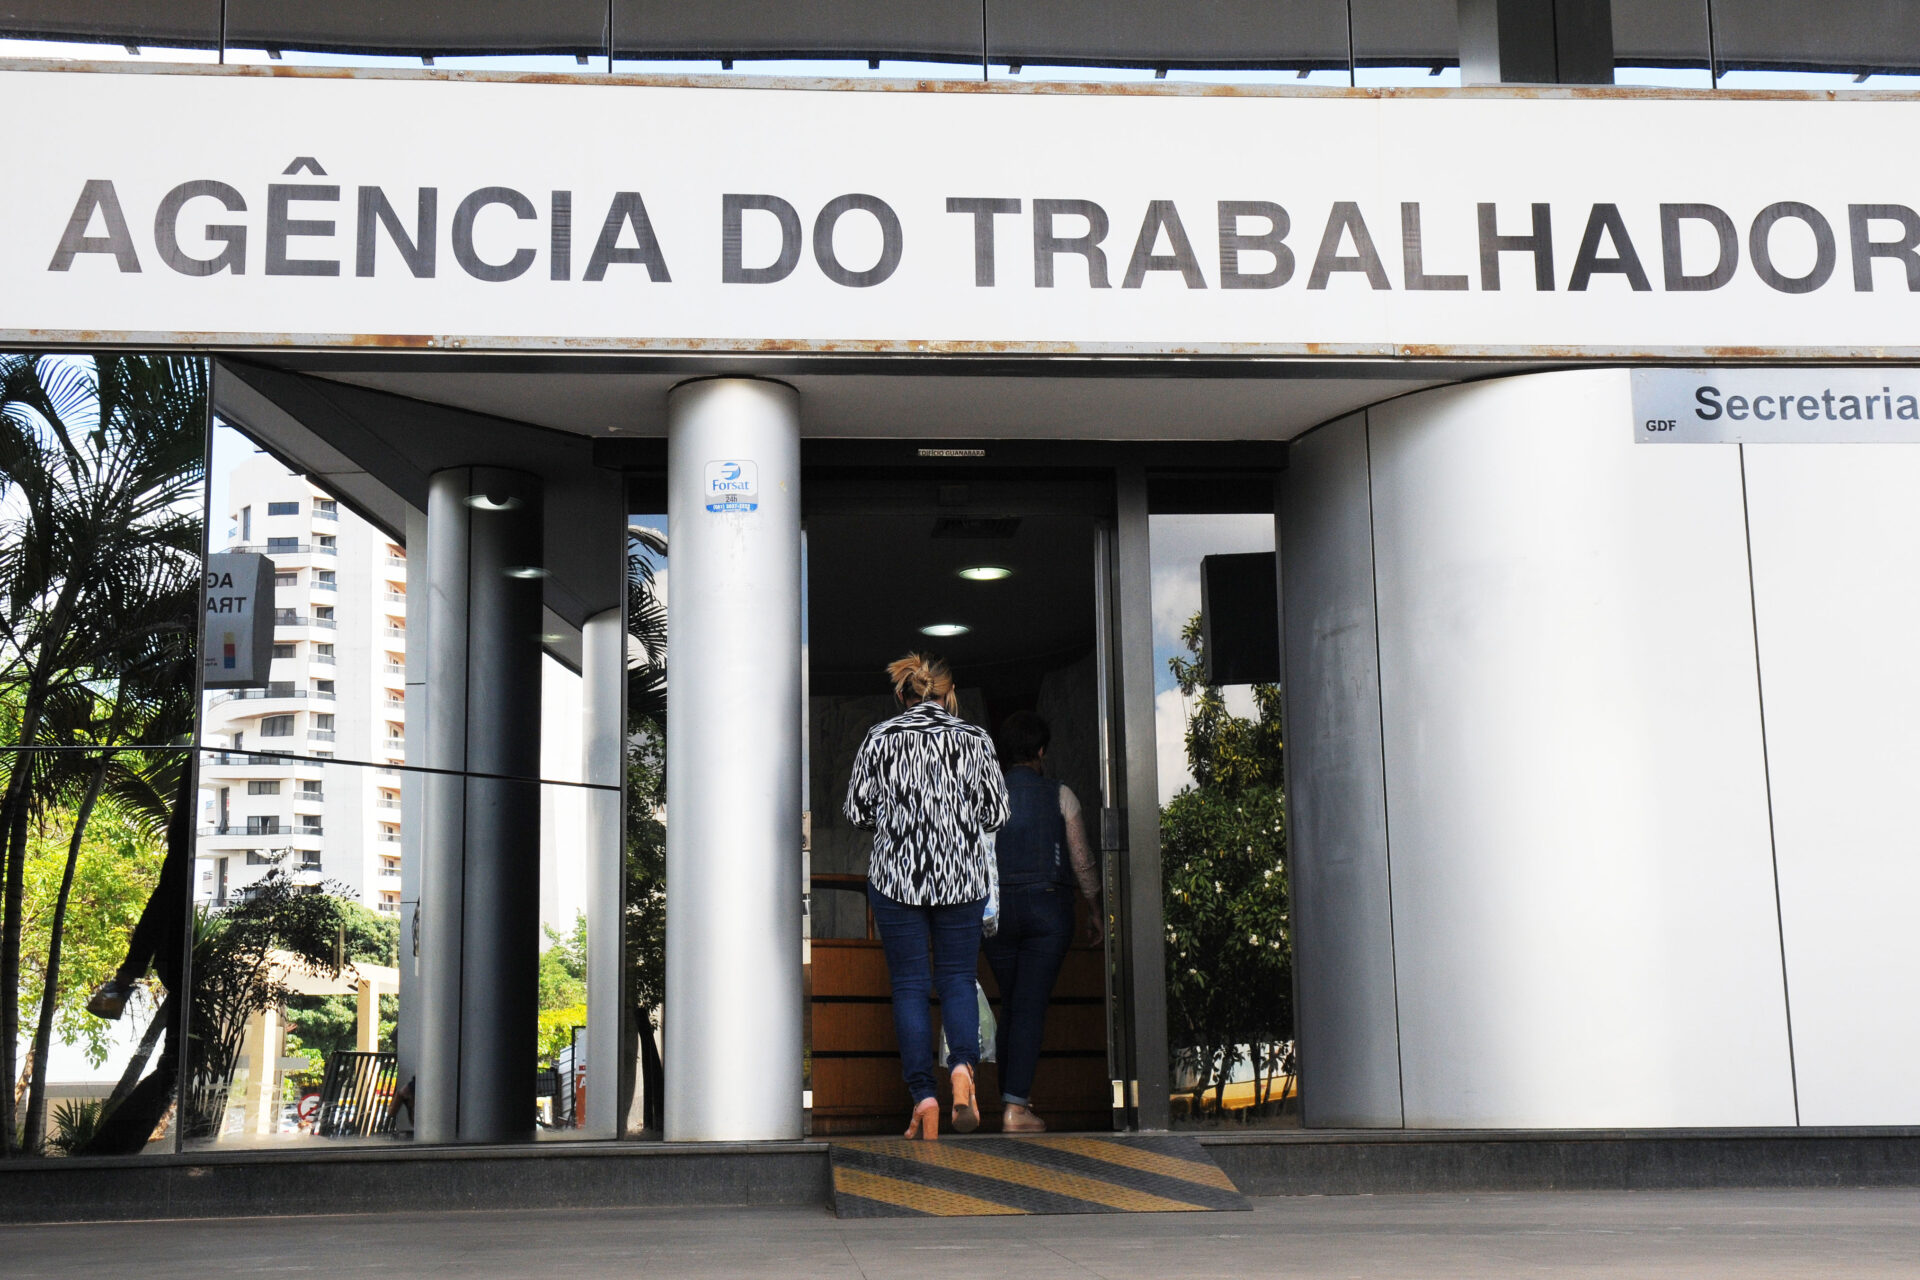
(1752, 1235)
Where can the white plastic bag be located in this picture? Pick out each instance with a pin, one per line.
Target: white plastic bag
(990, 919)
(989, 1029)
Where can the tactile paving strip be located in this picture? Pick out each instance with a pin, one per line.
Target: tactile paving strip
(1044, 1173)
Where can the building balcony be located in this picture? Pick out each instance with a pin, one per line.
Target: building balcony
(275, 834)
(269, 696)
(286, 618)
(395, 633)
(384, 803)
(321, 659)
(394, 746)
(235, 765)
(326, 586)
(320, 735)
(286, 555)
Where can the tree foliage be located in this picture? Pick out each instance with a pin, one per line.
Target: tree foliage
(243, 958)
(646, 786)
(101, 465)
(1223, 844)
(323, 1025)
(118, 866)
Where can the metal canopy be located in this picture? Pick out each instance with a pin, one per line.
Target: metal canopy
(377, 450)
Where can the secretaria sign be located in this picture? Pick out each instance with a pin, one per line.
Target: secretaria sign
(320, 210)
(1776, 406)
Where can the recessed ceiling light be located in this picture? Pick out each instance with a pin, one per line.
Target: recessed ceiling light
(487, 502)
(945, 629)
(985, 572)
(526, 571)
(551, 637)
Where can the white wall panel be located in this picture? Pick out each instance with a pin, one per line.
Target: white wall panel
(1584, 912)
(1836, 553)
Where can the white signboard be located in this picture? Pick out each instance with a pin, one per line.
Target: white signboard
(1731, 405)
(234, 207)
(237, 645)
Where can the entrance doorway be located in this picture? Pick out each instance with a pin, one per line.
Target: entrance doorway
(1003, 575)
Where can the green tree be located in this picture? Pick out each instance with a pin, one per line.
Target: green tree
(243, 958)
(563, 966)
(100, 470)
(117, 868)
(1223, 843)
(322, 1025)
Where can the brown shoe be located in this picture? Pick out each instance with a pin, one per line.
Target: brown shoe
(966, 1109)
(1019, 1119)
(926, 1121)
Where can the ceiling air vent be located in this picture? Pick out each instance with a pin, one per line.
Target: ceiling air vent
(976, 526)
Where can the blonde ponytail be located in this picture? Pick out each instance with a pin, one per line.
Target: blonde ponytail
(920, 676)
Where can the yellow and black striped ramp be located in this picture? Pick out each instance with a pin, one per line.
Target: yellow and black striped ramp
(1044, 1173)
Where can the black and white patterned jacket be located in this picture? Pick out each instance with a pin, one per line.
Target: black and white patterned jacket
(927, 785)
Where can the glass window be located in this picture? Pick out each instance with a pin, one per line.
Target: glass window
(282, 544)
(97, 669)
(283, 508)
(276, 727)
(1841, 44)
(284, 650)
(1412, 43)
(246, 524)
(326, 508)
(1151, 40)
(125, 31)
(932, 38)
(256, 787)
(1658, 43)
(557, 35)
(1222, 807)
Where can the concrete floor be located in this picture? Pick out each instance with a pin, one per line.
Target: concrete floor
(1753, 1235)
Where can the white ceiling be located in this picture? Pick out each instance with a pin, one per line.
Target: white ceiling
(924, 405)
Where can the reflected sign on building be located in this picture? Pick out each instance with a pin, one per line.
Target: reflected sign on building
(237, 646)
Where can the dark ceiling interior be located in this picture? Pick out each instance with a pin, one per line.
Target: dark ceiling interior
(874, 580)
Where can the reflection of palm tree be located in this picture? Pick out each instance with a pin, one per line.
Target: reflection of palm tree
(100, 470)
(646, 846)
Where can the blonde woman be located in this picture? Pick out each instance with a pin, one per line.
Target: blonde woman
(927, 785)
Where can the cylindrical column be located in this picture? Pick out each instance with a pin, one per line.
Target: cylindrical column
(480, 895)
(733, 1009)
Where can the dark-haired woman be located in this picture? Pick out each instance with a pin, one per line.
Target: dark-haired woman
(927, 786)
(1043, 855)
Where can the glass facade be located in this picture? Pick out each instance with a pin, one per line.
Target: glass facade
(1229, 948)
(1733, 44)
(102, 505)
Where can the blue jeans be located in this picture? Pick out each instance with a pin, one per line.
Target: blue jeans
(1036, 928)
(931, 949)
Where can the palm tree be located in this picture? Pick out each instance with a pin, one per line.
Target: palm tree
(101, 527)
(646, 848)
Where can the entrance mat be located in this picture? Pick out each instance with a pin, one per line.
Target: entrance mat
(1044, 1173)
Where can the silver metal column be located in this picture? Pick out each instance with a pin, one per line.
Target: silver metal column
(480, 891)
(733, 1007)
(603, 671)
